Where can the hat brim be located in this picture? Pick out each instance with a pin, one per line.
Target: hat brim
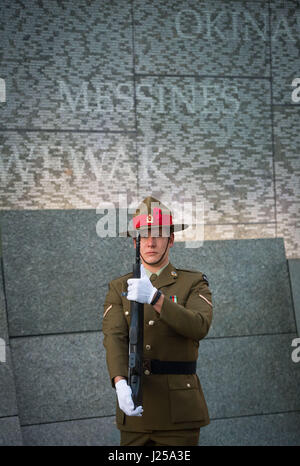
(172, 228)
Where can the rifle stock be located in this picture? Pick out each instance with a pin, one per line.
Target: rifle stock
(136, 339)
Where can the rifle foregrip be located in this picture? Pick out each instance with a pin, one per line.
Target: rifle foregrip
(136, 271)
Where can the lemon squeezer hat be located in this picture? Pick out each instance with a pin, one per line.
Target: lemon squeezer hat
(153, 214)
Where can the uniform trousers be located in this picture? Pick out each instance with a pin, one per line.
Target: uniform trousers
(187, 437)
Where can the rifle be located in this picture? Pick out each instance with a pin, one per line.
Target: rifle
(136, 338)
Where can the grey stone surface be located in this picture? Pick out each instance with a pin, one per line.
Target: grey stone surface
(8, 402)
(178, 37)
(287, 147)
(62, 377)
(85, 432)
(57, 270)
(239, 231)
(39, 32)
(244, 376)
(80, 97)
(281, 429)
(249, 282)
(76, 62)
(207, 139)
(192, 77)
(65, 170)
(10, 432)
(169, 98)
(294, 269)
(285, 49)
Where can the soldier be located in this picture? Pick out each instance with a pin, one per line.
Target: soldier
(177, 314)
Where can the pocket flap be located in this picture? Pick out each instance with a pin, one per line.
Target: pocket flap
(182, 381)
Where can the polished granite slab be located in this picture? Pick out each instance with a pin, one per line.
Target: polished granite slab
(84, 432)
(249, 375)
(294, 272)
(279, 429)
(64, 377)
(57, 270)
(8, 404)
(287, 169)
(10, 432)
(61, 377)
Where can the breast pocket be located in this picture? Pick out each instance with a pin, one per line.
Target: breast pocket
(186, 400)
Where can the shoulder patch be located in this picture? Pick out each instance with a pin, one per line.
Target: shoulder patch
(204, 278)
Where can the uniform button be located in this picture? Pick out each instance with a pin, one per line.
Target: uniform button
(153, 277)
(148, 347)
(146, 372)
(126, 313)
(188, 385)
(151, 322)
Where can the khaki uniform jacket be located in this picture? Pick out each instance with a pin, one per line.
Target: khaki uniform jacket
(170, 401)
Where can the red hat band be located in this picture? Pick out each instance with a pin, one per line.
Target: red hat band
(157, 219)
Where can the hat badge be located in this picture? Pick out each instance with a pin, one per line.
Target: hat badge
(149, 218)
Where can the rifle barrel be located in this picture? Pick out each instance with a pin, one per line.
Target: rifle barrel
(136, 338)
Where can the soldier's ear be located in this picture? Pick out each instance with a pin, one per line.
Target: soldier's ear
(134, 242)
(172, 238)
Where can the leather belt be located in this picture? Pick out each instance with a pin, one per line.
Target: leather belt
(154, 366)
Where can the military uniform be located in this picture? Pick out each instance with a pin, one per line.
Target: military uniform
(171, 401)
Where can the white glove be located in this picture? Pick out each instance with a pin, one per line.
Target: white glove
(141, 289)
(124, 394)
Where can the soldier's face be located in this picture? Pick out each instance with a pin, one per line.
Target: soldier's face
(155, 249)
